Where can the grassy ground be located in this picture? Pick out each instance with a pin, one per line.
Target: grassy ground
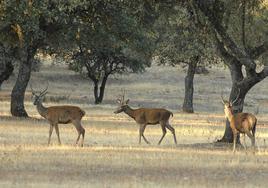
(111, 156)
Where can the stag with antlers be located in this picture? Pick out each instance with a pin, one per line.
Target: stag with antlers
(147, 116)
(59, 115)
(244, 123)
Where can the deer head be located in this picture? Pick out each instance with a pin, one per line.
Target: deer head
(122, 104)
(228, 105)
(37, 97)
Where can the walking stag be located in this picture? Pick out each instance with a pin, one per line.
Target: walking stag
(147, 116)
(59, 115)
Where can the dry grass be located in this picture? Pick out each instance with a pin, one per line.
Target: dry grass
(111, 156)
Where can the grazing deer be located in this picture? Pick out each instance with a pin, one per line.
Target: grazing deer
(59, 115)
(147, 116)
(244, 123)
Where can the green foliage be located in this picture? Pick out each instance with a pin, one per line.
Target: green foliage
(32, 23)
(108, 39)
(256, 21)
(98, 63)
(181, 38)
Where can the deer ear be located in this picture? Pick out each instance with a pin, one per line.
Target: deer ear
(127, 101)
(118, 101)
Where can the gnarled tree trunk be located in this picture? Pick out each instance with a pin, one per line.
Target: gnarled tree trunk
(189, 86)
(239, 90)
(234, 57)
(18, 92)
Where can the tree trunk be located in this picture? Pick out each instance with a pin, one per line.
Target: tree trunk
(18, 92)
(239, 91)
(189, 86)
(234, 57)
(96, 91)
(102, 88)
(99, 92)
(6, 72)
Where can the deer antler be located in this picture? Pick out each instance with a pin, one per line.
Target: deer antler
(119, 99)
(42, 93)
(236, 97)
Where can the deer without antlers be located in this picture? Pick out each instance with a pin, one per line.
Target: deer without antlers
(147, 116)
(59, 115)
(244, 123)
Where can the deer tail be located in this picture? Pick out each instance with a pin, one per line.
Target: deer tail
(82, 112)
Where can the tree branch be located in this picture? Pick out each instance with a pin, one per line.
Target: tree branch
(243, 20)
(249, 82)
(259, 50)
(241, 55)
(228, 58)
(264, 73)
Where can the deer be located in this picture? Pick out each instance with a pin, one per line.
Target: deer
(147, 116)
(59, 115)
(244, 123)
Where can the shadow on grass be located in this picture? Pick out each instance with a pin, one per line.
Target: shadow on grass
(12, 118)
(219, 146)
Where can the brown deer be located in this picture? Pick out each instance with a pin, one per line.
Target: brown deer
(147, 116)
(244, 123)
(59, 115)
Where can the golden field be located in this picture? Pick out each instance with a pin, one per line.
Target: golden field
(112, 156)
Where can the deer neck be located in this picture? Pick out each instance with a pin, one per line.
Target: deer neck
(130, 112)
(229, 114)
(41, 109)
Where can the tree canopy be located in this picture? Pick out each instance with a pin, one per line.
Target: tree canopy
(100, 38)
(107, 39)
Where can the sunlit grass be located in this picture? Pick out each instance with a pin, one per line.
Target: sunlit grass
(112, 156)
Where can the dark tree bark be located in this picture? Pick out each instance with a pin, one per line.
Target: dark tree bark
(189, 86)
(234, 57)
(5, 72)
(99, 91)
(18, 92)
(96, 91)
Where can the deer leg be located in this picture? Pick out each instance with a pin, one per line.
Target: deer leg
(50, 133)
(140, 133)
(83, 136)
(244, 138)
(172, 131)
(78, 137)
(235, 133)
(251, 137)
(142, 128)
(147, 142)
(164, 132)
(58, 133)
(80, 131)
